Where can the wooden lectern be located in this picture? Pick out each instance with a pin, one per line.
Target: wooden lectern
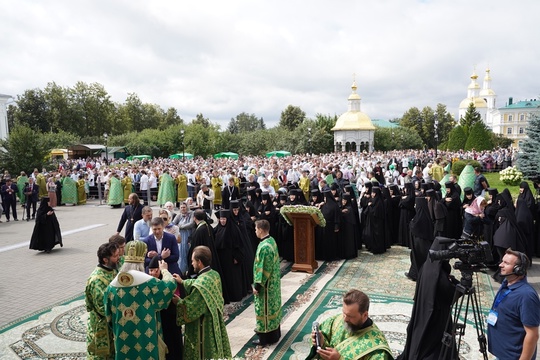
(304, 240)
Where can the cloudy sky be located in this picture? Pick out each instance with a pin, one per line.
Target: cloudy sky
(222, 58)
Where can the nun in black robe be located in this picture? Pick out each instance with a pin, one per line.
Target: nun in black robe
(355, 207)
(347, 230)
(525, 212)
(287, 245)
(375, 229)
(229, 249)
(365, 198)
(393, 212)
(326, 246)
(281, 223)
(267, 212)
(46, 234)
(422, 237)
(238, 216)
(491, 226)
(433, 299)
(452, 201)
(385, 193)
(406, 206)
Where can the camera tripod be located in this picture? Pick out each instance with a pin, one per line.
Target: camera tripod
(464, 291)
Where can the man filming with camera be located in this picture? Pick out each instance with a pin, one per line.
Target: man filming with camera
(515, 314)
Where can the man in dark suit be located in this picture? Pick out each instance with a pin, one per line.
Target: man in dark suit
(32, 194)
(163, 245)
(9, 193)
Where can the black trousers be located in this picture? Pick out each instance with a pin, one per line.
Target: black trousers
(10, 205)
(29, 203)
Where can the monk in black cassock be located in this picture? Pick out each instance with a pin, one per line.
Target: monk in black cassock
(47, 232)
(281, 223)
(354, 205)
(375, 228)
(452, 201)
(365, 198)
(204, 235)
(433, 298)
(491, 226)
(238, 216)
(393, 212)
(287, 244)
(385, 193)
(229, 193)
(326, 247)
(347, 230)
(422, 237)
(437, 212)
(172, 333)
(406, 206)
(228, 242)
(267, 212)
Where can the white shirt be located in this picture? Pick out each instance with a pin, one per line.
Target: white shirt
(144, 182)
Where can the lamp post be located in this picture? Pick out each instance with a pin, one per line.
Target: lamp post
(183, 149)
(393, 141)
(106, 149)
(309, 139)
(436, 125)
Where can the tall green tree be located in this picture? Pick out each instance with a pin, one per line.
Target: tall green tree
(24, 150)
(412, 119)
(530, 149)
(59, 108)
(134, 113)
(479, 138)
(457, 139)
(92, 109)
(171, 118)
(472, 116)
(292, 117)
(201, 120)
(245, 122)
(32, 110)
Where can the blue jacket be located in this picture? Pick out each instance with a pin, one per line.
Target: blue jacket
(168, 242)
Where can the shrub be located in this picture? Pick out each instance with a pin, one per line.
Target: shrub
(457, 166)
(511, 176)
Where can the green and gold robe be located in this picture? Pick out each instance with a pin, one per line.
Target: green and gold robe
(202, 313)
(42, 183)
(368, 343)
(69, 191)
(21, 184)
(99, 337)
(132, 303)
(127, 184)
(267, 278)
(182, 193)
(81, 193)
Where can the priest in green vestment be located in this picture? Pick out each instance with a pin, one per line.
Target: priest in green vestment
(166, 191)
(99, 337)
(352, 334)
(182, 193)
(132, 303)
(42, 183)
(22, 180)
(202, 311)
(267, 287)
(69, 190)
(116, 193)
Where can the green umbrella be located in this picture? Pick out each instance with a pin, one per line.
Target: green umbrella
(181, 155)
(228, 155)
(279, 153)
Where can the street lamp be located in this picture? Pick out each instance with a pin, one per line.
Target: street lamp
(436, 124)
(309, 139)
(183, 149)
(393, 141)
(106, 149)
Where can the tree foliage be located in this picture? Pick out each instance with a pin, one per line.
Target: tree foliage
(387, 139)
(25, 150)
(423, 123)
(457, 139)
(530, 150)
(479, 138)
(472, 116)
(292, 117)
(245, 122)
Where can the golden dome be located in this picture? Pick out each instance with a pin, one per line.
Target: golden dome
(354, 120)
(478, 103)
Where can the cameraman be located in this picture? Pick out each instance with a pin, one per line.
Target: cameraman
(31, 191)
(515, 315)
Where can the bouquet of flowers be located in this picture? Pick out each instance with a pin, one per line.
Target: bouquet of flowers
(511, 176)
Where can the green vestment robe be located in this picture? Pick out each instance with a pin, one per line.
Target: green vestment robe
(368, 343)
(132, 302)
(202, 313)
(166, 190)
(69, 191)
(42, 183)
(266, 273)
(99, 336)
(21, 183)
(116, 193)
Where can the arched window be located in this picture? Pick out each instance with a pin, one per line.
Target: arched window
(338, 146)
(353, 146)
(347, 146)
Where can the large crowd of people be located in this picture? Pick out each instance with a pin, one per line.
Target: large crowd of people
(368, 201)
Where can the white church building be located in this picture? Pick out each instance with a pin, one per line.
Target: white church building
(4, 131)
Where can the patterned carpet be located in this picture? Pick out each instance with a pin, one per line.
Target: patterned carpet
(59, 333)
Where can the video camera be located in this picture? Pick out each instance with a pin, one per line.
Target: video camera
(472, 252)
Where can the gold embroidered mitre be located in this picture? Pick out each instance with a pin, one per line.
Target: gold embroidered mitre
(135, 251)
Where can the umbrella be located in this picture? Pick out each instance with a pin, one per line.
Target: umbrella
(228, 155)
(181, 155)
(279, 153)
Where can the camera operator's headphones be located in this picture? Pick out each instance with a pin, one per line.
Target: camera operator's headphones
(521, 268)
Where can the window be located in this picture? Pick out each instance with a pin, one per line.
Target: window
(521, 130)
(522, 117)
(510, 118)
(509, 131)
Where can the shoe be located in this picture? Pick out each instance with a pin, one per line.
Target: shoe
(409, 277)
(33, 217)
(257, 342)
(16, 219)
(7, 220)
(27, 219)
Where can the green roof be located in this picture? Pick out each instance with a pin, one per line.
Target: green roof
(384, 123)
(523, 104)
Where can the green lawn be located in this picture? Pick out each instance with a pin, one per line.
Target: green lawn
(493, 180)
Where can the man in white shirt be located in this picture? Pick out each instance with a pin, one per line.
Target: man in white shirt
(144, 186)
(141, 229)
